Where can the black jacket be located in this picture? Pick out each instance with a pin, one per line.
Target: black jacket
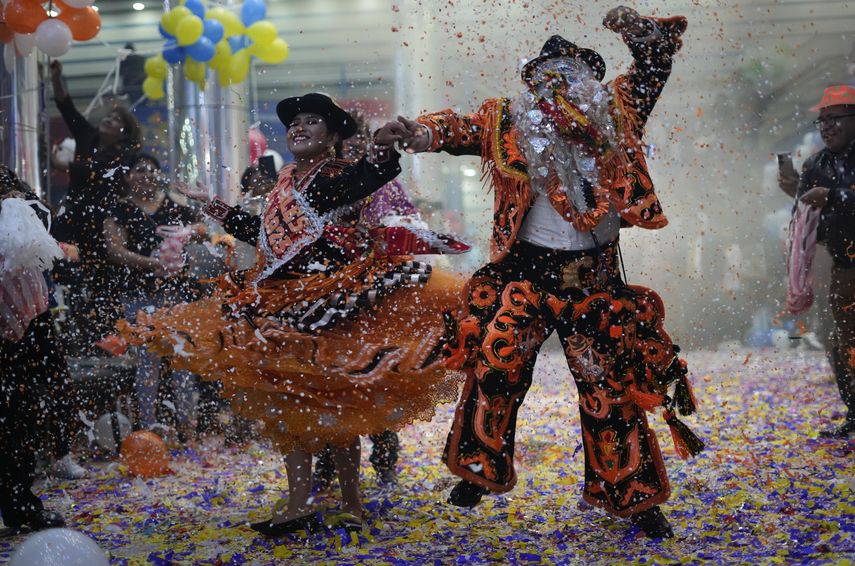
(837, 221)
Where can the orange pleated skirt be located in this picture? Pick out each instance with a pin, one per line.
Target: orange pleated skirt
(379, 371)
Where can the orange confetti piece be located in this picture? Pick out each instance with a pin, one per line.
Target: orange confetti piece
(699, 111)
(747, 358)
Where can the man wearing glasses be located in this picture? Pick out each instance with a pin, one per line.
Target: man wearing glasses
(828, 183)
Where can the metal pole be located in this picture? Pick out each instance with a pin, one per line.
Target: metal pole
(20, 120)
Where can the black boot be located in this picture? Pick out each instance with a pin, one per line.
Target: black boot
(466, 494)
(653, 523)
(843, 431)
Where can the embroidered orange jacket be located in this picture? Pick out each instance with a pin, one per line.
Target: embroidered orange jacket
(490, 133)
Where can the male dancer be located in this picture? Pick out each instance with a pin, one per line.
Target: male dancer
(566, 164)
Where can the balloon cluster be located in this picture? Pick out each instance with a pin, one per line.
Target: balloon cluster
(27, 24)
(215, 38)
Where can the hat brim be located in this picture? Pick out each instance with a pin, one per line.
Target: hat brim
(338, 119)
(587, 56)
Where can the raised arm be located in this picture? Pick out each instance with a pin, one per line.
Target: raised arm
(77, 124)
(652, 43)
(350, 183)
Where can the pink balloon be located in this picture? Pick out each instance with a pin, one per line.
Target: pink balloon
(53, 37)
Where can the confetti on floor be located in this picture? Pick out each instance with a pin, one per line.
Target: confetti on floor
(766, 490)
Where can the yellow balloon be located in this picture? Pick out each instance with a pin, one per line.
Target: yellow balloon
(239, 66)
(194, 70)
(274, 53)
(223, 77)
(173, 17)
(156, 67)
(262, 33)
(189, 30)
(153, 88)
(231, 22)
(222, 56)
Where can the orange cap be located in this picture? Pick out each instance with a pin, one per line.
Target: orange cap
(836, 96)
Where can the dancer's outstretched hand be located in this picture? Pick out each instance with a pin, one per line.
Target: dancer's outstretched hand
(416, 139)
(390, 134)
(624, 20)
(197, 192)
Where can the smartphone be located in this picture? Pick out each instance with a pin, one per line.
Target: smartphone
(267, 166)
(785, 164)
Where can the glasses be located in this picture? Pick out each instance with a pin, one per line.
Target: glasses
(831, 120)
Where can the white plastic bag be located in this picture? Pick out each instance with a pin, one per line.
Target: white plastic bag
(26, 251)
(24, 240)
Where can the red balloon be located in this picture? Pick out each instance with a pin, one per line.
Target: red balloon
(84, 24)
(24, 16)
(6, 34)
(145, 454)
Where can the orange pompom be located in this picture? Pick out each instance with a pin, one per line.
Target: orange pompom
(145, 454)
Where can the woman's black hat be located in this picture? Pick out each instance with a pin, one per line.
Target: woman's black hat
(338, 119)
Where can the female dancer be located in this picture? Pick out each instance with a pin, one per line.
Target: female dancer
(318, 341)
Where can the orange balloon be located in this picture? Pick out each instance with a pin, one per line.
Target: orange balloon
(145, 454)
(84, 24)
(6, 34)
(24, 16)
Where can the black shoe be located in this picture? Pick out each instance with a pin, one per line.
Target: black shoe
(843, 431)
(653, 523)
(466, 494)
(37, 521)
(308, 523)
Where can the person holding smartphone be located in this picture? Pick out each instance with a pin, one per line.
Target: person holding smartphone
(828, 183)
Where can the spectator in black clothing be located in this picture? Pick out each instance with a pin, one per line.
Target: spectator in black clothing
(95, 183)
(26, 367)
(828, 182)
(135, 231)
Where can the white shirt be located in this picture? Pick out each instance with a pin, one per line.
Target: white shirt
(544, 227)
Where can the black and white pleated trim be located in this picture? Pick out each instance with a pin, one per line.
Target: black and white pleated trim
(325, 312)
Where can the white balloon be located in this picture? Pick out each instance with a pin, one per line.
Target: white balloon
(9, 57)
(278, 161)
(25, 42)
(78, 3)
(106, 436)
(53, 37)
(59, 547)
(63, 153)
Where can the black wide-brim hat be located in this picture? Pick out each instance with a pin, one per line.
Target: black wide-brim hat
(555, 47)
(338, 119)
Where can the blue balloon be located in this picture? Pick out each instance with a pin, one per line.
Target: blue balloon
(203, 50)
(164, 33)
(252, 11)
(196, 7)
(214, 31)
(238, 42)
(173, 53)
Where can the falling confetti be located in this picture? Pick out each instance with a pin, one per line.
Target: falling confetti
(766, 490)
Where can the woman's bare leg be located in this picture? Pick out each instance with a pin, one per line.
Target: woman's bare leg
(298, 465)
(347, 460)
